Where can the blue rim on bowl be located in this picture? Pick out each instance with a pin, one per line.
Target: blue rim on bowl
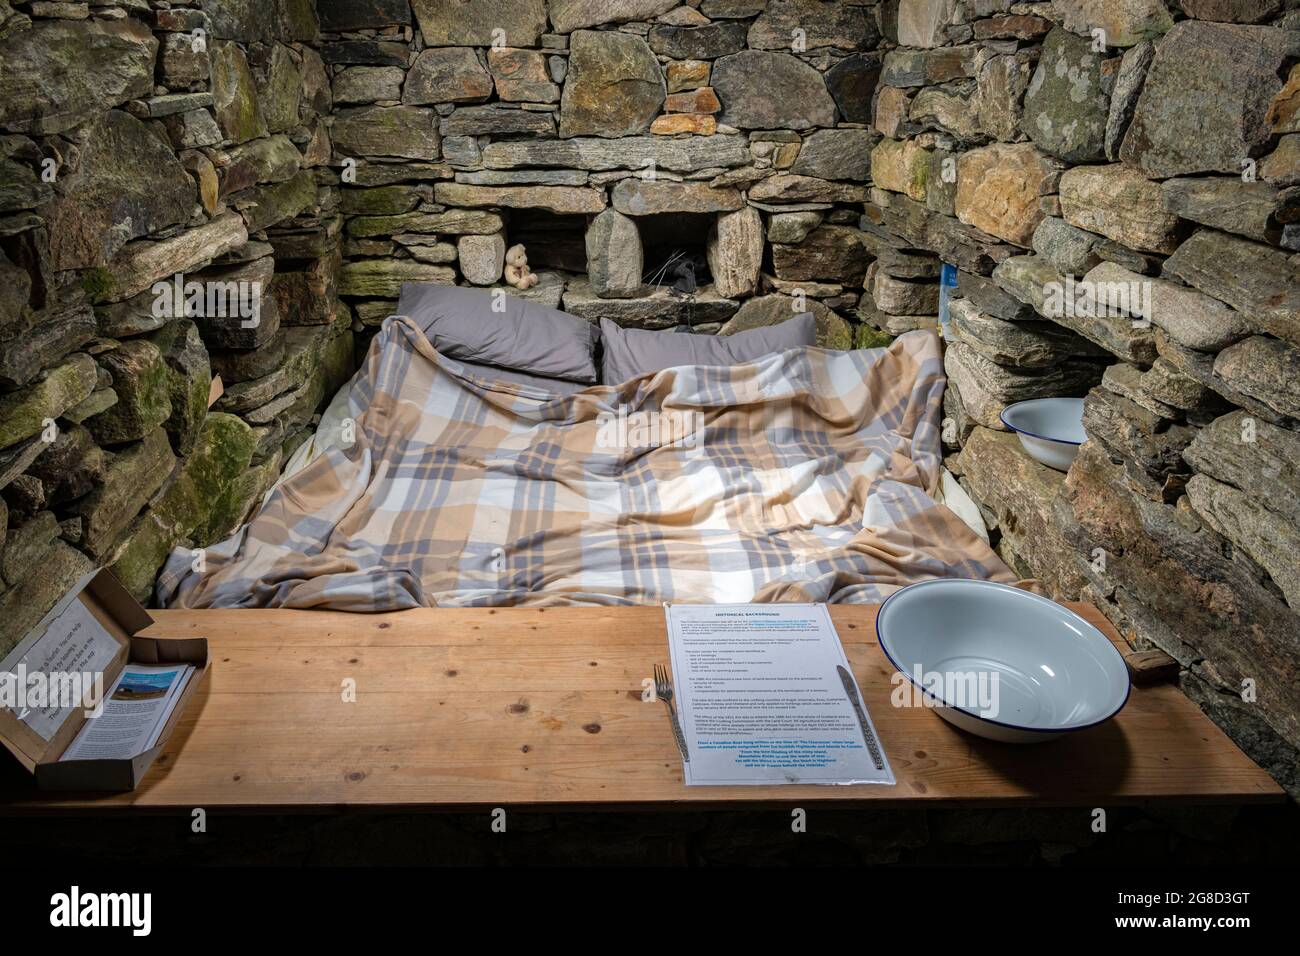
(1128, 684)
(1002, 417)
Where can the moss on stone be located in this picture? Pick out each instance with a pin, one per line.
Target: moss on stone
(338, 359)
(143, 385)
(189, 377)
(300, 20)
(142, 554)
(383, 278)
(272, 204)
(222, 452)
(24, 413)
(221, 461)
(381, 200)
(833, 332)
(234, 94)
(201, 498)
(244, 117)
(245, 491)
(920, 178)
(97, 283)
(867, 337)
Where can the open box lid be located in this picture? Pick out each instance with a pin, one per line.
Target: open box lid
(89, 633)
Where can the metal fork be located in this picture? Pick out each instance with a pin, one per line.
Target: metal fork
(664, 691)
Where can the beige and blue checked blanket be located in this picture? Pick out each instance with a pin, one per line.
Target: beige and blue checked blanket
(804, 476)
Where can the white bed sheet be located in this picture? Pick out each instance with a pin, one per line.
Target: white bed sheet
(328, 434)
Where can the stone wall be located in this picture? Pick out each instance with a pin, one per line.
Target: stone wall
(1082, 148)
(145, 143)
(604, 136)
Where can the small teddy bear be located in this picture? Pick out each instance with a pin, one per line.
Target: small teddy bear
(517, 273)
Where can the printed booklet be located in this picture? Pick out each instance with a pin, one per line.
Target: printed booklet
(133, 714)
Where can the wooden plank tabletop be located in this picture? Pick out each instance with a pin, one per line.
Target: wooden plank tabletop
(542, 707)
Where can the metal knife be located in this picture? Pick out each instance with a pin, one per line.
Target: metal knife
(851, 689)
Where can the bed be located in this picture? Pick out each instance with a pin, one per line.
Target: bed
(330, 432)
(449, 473)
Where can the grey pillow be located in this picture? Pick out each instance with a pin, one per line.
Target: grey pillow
(462, 324)
(632, 352)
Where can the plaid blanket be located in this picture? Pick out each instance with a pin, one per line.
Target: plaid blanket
(804, 476)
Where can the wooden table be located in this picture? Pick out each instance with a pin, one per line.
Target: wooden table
(542, 708)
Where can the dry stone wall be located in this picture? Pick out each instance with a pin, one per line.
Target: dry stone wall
(1117, 182)
(164, 217)
(608, 138)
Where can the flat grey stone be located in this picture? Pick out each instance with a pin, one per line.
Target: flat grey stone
(1198, 108)
(633, 152)
(761, 90)
(657, 310)
(1256, 280)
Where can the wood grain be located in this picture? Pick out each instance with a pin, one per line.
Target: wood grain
(542, 707)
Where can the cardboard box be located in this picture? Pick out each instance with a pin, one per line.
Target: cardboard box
(41, 737)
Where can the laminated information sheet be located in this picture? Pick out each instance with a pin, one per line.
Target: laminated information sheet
(132, 718)
(766, 696)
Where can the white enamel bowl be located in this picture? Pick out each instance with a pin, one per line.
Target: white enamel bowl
(1051, 429)
(1001, 662)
